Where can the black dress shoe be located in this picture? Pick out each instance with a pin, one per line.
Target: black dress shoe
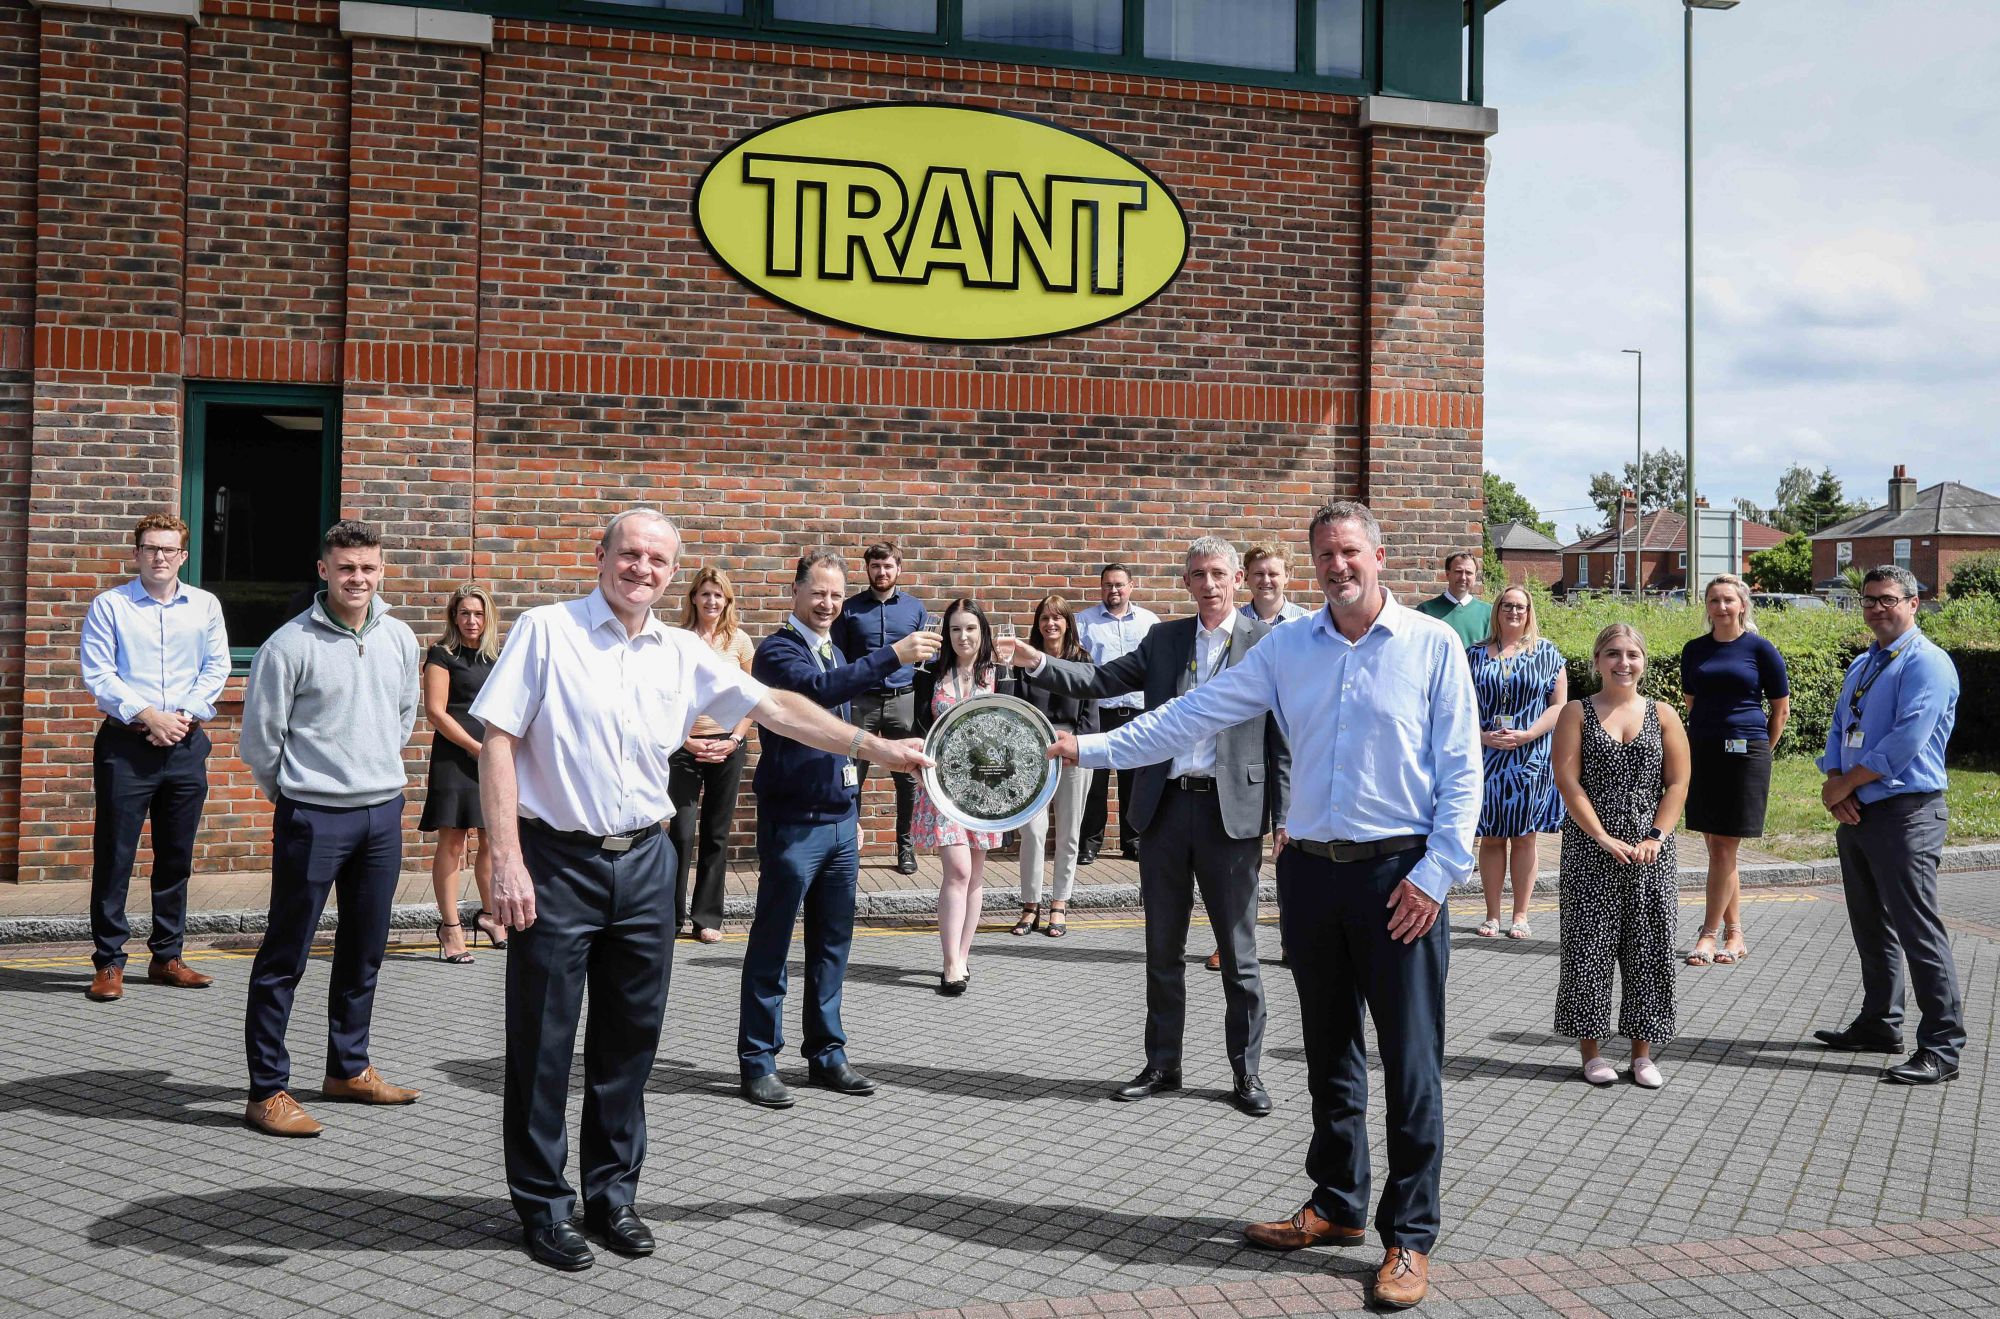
(767, 1091)
(1849, 1040)
(1086, 856)
(623, 1230)
(906, 859)
(559, 1245)
(1923, 1068)
(1250, 1095)
(1130, 851)
(840, 1077)
(1151, 1081)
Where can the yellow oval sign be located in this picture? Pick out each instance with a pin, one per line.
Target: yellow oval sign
(941, 222)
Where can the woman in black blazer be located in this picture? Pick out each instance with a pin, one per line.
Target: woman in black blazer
(1054, 632)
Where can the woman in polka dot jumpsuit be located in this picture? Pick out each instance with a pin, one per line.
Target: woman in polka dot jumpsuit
(1621, 762)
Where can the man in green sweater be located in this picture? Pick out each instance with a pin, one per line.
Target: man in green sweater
(1460, 607)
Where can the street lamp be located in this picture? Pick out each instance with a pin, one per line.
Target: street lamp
(1687, 238)
(1639, 454)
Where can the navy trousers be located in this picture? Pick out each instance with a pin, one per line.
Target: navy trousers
(605, 921)
(356, 852)
(134, 779)
(1888, 869)
(813, 867)
(1335, 921)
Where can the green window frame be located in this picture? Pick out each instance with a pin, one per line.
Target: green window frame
(194, 465)
(1431, 60)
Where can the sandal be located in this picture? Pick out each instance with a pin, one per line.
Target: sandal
(1057, 926)
(1030, 917)
(1726, 957)
(1520, 929)
(480, 926)
(1488, 928)
(460, 958)
(1696, 957)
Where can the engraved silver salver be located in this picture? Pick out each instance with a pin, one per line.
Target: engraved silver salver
(992, 770)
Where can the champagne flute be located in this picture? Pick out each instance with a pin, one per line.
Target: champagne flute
(1005, 632)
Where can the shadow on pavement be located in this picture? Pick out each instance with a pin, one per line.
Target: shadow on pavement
(18, 980)
(263, 1226)
(147, 1096)
(673, 1076)
(1791, 1055)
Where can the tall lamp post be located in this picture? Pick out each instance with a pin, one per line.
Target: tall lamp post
(1639, 456)
(1687, 238)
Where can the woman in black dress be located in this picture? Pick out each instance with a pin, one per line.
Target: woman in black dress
(454, 671)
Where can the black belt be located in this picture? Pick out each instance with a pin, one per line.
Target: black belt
(890, 691)
(1342, 851)
(1194, 783)
(624, 842)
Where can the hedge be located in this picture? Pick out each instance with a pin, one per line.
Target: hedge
(1817, 644)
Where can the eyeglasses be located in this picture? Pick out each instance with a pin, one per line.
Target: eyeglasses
(161, 551)
(1882, 601)
(1512, 609)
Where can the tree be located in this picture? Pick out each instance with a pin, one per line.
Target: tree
(1975, 574)
(1661, 484)
(1786, 566)
(1749, 512)
(1505, 503)
(1793, 487)
(1811, 503)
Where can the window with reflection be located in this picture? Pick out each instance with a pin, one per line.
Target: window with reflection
(879, 15)
(1243, 34)
(1094, 27)
(731, 7)
(1337, 39)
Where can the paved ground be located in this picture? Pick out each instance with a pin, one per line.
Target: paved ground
(990, 1175)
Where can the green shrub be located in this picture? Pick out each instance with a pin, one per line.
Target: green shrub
(1975, 576)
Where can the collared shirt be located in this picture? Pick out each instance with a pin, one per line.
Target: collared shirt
(867, 624)
(1471, 618)
(1384, 733)
(824, 652)
(1107, 636)
(600, 714)
(139, 652)
(1211, 654)
(1287, 611)
(1906, 717)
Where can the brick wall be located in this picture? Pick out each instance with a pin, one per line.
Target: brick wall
(491, 254)
(1544, 566)
(1931, 557)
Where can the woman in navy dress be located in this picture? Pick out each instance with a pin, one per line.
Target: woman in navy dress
(1522, 683)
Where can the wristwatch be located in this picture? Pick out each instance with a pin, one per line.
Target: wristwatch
(737, 738)
(1653, 835)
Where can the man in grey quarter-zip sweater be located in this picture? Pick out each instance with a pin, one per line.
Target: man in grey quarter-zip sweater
(330, 704)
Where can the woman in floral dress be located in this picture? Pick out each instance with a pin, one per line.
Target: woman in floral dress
(1522, 683)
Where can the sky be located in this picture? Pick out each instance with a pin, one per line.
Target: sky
(1847, 243)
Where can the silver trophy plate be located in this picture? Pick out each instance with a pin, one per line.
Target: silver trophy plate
(991, 769)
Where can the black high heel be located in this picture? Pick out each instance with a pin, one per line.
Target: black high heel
(457, 959)
(478, 929)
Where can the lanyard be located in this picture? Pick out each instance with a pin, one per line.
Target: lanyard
(813, 644)
(1882, 664)
(1221, 658)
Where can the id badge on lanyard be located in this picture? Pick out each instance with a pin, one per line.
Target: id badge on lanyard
(1854, 738)
(1736, 746)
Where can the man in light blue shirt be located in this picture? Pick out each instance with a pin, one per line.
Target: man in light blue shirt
(1378, 706)
(1267, 575)
(1885, 785)
(1108, 631)
(155, 656)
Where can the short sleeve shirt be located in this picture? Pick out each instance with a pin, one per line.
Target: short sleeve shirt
(598, 714)
(1730, 681)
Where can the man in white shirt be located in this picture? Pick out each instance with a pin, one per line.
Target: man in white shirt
(1377, 703)
(1108, 631)
(589, 700)
(1267, 575)
(155, 656)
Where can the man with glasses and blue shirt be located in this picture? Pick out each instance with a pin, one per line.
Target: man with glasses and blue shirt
(155, 656)
(1376, 701)
(1885, 784)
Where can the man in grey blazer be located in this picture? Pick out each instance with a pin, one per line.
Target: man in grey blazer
(1201, 818)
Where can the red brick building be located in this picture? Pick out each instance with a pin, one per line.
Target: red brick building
(269, 261)
(1528, 554)
(1593, 563)
(1926, 531)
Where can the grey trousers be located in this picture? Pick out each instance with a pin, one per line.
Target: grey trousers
(1888, 867)
(1184, 848)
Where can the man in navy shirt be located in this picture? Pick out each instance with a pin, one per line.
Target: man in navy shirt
(1885, 782)
(808, 850)
(869, 620)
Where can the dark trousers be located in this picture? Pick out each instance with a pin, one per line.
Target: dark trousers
(702, 838)
(134, 779)
(1336, 923)
(1888, 867)
(602, 920)
(811, 867)
(891, 714)
(1096, 809)
(357, 852)
(1184, 848)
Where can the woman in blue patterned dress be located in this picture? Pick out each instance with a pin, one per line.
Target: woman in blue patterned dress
(1522, 683)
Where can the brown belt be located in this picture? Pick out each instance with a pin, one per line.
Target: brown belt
(1346, 852)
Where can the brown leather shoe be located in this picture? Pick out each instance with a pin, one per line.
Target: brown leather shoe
(1305, 1228)
(280, 1115)
(173, 971)
(107, 986)
(1404, 1278)
(1214, 962)
(367, 1088)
